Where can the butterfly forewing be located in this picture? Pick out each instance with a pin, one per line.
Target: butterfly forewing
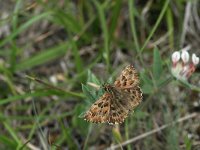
(128, 78)
(128, 85)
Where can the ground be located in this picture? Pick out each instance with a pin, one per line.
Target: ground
(51, 50)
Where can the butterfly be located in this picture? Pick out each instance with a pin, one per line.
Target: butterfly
(118, 100)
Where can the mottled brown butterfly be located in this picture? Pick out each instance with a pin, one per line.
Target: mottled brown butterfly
(118, 100)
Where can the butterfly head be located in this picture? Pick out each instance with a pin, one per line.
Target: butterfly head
(108, 88)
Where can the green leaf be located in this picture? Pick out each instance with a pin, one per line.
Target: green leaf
(147, 89)
(88, 94)
(147, 86)
(157, 64)
(78, 122)
(92, 78)
(144, 77)
(91, 93)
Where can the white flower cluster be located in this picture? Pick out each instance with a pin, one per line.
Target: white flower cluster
(182, 66)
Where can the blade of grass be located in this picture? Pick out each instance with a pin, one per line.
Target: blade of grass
(127, 133)
(164, 9)
(77, 59)
(20, 97)
(43, 139)
(132, 22)
(37, 94)
(68, 134)
(14, 23)
(115, 17)
(40, 116)
(12, 133)
(43, 57)
(106, 52)
(170, 26)
(30, 118)
(24, 26)
(15, 14)
(133, 29)
(13, 56)
(87, 137)
(6, 76)
(9, 143)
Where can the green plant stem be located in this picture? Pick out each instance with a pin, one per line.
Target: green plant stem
(156, 24)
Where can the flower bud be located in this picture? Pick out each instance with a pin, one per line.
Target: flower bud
(176, 56)
(195, 59)
(185, 56)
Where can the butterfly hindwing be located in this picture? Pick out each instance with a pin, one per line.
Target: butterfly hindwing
(99, 111)
(135, 97)
(117, 112)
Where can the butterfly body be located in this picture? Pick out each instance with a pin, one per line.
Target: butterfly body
(118, 100)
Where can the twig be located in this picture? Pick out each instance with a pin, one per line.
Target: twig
(153, 131)
(44, 83)
(55, 88)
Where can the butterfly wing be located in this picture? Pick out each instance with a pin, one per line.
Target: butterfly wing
(117, 112)
(128, 78)
(134, 98)
(99, 111)
(127, 95)
(106, 109)
(127, 85)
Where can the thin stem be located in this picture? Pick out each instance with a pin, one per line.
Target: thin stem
(156, 24)
(54, 87)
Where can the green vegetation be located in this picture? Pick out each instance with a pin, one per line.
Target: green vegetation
(50, 50)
